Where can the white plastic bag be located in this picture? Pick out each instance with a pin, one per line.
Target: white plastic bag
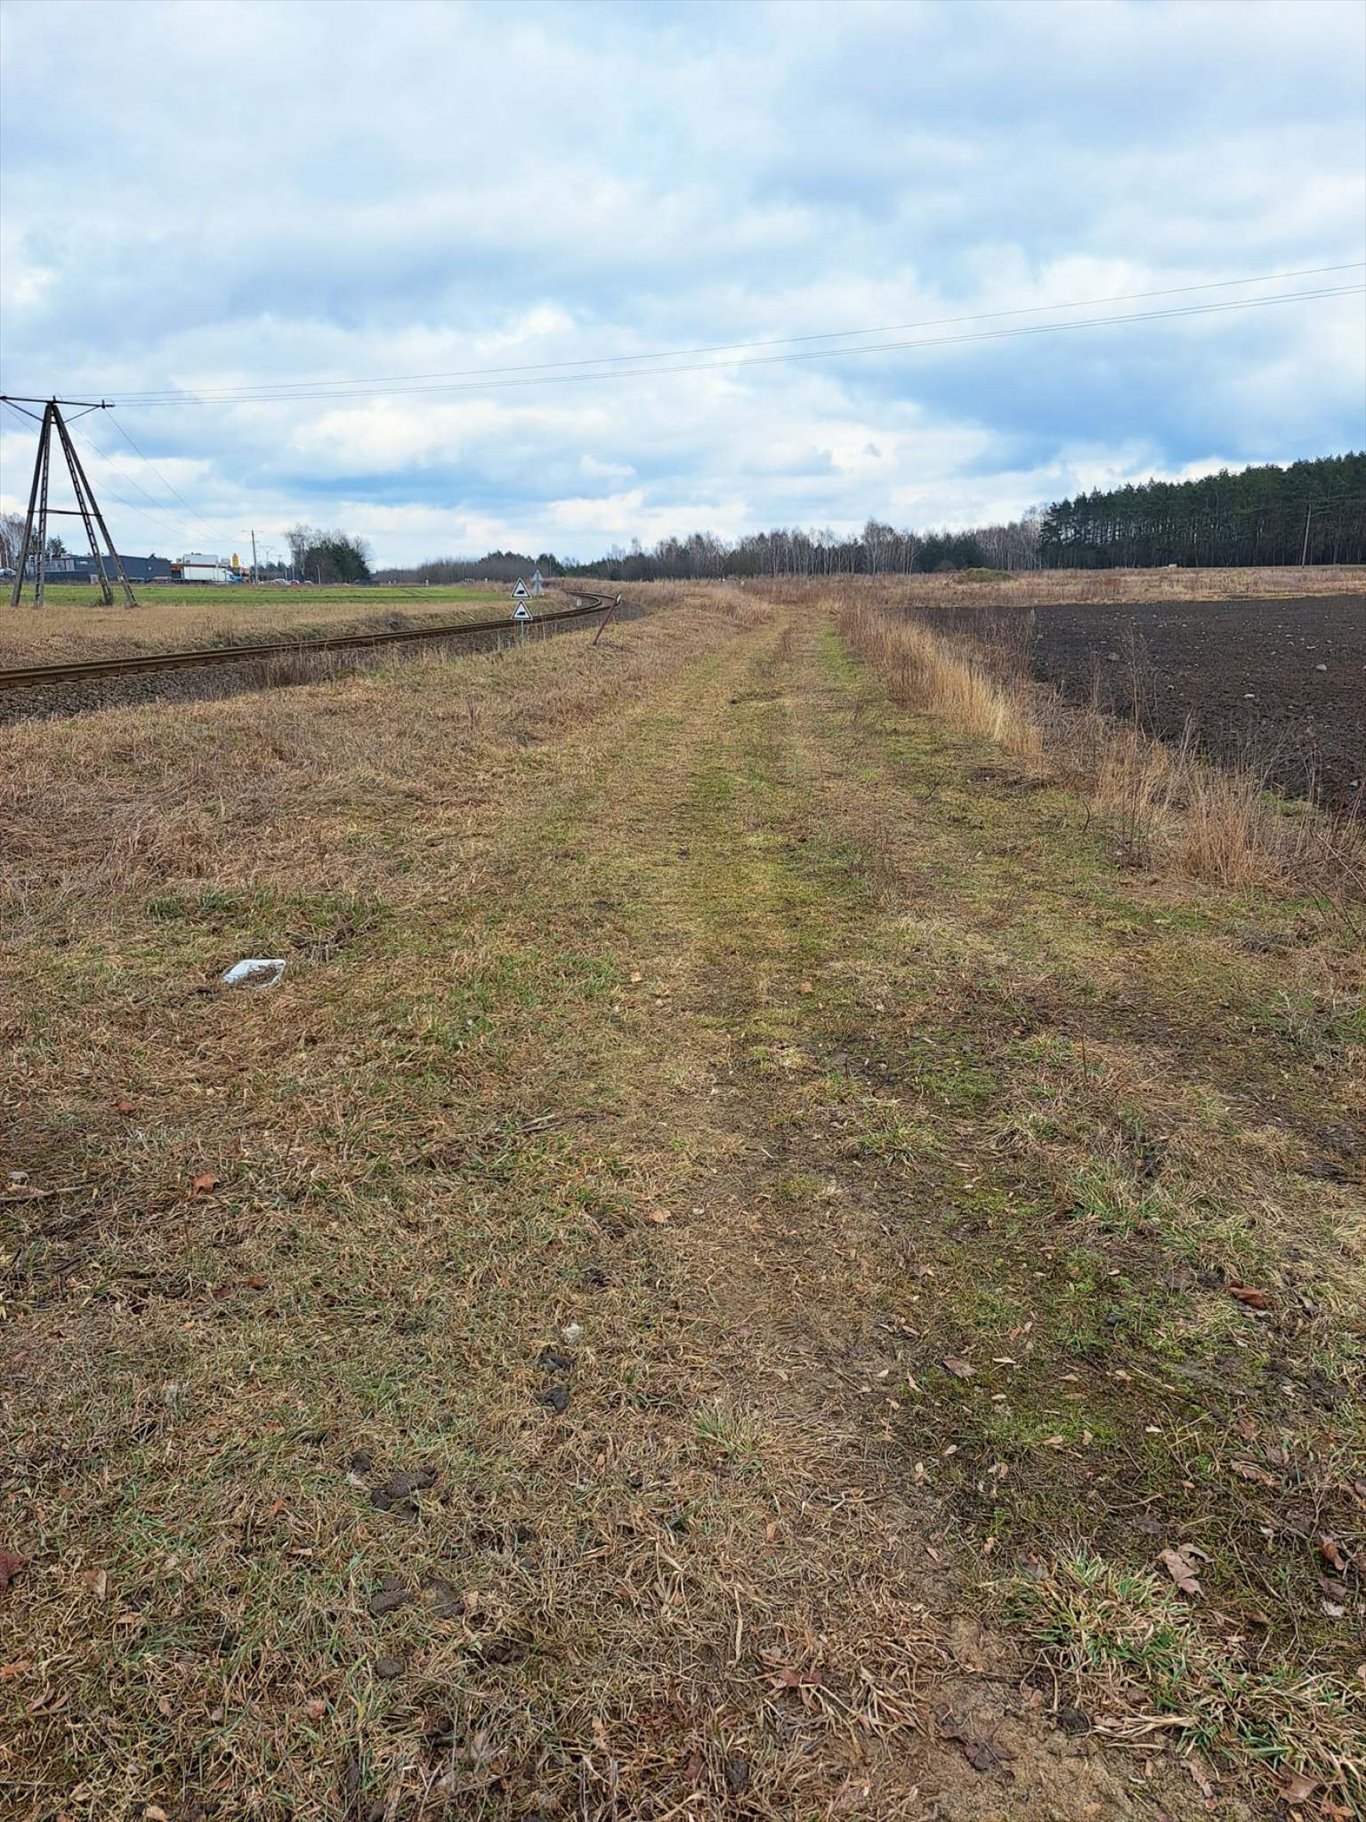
(255, 971)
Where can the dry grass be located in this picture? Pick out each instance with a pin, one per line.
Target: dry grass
(1168, 805)
(1035, 588)
(73, 624)
(1223, 823)
(681, 1023)
(926, 673)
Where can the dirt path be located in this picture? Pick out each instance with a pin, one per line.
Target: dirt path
(593, 1342)
(705, 838)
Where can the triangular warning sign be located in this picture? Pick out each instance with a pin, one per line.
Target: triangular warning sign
(521, 611)
(519, 593)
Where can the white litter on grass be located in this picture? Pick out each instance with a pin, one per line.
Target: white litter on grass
(255, 971)
(573, 1332)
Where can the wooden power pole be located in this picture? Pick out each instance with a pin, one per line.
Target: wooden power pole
(86, 508)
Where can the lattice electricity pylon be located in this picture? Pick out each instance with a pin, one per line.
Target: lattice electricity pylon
(86, 509)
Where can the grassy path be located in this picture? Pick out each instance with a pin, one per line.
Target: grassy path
(502, 1371)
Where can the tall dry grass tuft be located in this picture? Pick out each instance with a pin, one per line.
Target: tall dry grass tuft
(925, 672)
(1170, 807)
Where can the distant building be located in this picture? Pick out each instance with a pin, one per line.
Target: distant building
(82, 569)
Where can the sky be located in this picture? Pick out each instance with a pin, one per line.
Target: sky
(211, 198)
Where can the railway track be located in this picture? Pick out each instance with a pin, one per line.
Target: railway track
(36, 676)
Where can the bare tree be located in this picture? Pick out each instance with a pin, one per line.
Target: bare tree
(11, 538)
(299, 539)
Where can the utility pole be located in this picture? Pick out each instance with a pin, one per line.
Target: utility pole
(255, 573)
(86, 508)
(1304, 554)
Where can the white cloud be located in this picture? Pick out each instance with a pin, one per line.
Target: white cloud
(247, 194)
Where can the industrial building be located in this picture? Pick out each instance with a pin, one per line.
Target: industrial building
(194, 566)
(82, 569)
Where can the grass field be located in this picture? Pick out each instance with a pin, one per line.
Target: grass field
(1031, 588)
(74, 624)
(754, 1265)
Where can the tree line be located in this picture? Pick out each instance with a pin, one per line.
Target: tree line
(1310, 512)
(877, 549)
(496, 566)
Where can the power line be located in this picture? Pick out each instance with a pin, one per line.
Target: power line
(344, 390)
(292, 389)
(177, 529)
(159, 475)
(180, 528)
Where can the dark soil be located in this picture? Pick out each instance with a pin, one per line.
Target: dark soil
(1280, 683)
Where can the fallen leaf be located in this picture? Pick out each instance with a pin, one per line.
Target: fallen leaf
(658, 1215)
(10, 1565)
(155, 1813)
(123, 1107)
(315, 1710)
(1182, 1572)
(1334, 1610)
(960, 1368)
(97, 1581)
(636, 977)
(1331, 1551)
(1296, 1788)
(1248, 1294)
(8, 1672)
(980, 1754)
(204, 1182)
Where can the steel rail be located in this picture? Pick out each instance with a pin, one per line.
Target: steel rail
(37, 676)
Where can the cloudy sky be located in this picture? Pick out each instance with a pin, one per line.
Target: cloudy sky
(211, 199)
